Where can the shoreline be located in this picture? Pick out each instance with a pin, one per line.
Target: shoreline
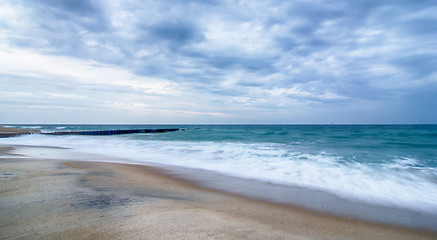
(309, 199)
(134, 201)
(305, 198)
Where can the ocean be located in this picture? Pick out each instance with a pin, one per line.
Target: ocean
(382, 173)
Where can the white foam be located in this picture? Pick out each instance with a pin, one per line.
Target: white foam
(31, 127)
(398, 183)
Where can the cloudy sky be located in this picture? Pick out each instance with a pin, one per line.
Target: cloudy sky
(218, 61)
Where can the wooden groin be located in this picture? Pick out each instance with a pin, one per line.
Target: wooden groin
(12, 132)
(114, 132)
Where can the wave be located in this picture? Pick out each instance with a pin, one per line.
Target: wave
(32, 127)
(397, 181)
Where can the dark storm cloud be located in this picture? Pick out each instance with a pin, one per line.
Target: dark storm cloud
(78, 7)
(178, 32)
(85, 13)
(174, 33)
(59, 28)
(314, 13)
(250, 64)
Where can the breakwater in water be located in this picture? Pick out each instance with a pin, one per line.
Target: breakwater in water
(10, 132)
(114, 132)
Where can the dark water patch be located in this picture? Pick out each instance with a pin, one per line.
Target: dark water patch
(10, 175)
(105, 198)
(64, 174)
(156, 193)
(87, 181)
(103, 174)
(417, 145)
(143, 193)
(96, 196)
(101, 201)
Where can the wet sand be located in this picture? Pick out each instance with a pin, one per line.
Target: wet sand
(62, 199)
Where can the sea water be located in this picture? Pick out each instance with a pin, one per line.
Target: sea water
(383, 165)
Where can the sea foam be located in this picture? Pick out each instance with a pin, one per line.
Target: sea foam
(399, 182)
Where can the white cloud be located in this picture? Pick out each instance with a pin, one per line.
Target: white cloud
(297, 91)
(30, 64)
(215, 61)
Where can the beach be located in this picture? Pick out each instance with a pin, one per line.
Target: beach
(46, 198)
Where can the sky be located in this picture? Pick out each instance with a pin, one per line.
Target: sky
(218, 61)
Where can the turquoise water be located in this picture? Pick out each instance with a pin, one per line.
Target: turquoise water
(367, 144)
(385, 165)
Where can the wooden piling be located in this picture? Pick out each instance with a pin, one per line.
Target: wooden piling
(114, 132)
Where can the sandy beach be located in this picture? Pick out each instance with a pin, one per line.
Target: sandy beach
(62, 199)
